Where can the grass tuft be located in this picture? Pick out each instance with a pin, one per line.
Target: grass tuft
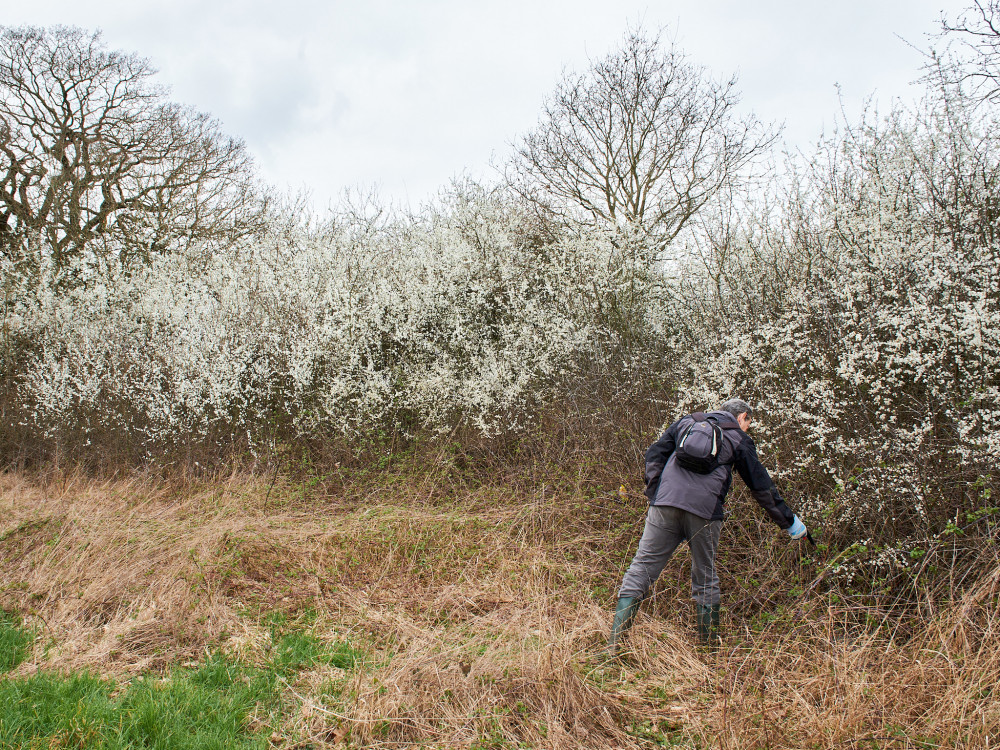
(15, 641)
(297, 651)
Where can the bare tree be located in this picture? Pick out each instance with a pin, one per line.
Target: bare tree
(643, 138)
(975, 56)
(96, 163)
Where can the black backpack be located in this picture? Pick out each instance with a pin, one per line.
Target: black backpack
(700, 444)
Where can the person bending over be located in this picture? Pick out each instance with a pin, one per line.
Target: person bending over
(689, 471)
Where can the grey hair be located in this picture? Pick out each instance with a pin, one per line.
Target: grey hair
(737, 406)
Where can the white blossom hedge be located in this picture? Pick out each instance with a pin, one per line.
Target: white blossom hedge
(858, 307)
(863, 316)
(459, 318)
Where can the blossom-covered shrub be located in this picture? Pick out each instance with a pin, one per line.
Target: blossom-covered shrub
(455, 318)
(864, 318)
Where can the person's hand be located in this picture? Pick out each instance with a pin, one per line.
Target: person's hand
(798, 529)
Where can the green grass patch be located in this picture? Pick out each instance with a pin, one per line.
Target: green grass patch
(201, 709)
(296, 648)
(296, 651)
(15, 641)
(220, 704)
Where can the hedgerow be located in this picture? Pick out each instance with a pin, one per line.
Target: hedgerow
(857, 304)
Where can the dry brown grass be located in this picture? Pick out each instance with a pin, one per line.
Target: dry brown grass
(483, 611)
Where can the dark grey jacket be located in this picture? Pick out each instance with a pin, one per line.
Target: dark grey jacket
(669, 483)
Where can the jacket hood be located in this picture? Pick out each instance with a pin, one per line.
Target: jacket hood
(723, 416)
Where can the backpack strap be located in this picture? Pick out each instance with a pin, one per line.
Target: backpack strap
(700, 416)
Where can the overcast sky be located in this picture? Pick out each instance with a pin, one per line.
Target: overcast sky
(404, 96)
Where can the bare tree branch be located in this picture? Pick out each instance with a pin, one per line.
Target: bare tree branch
(975, 56)
(643, 138)
(96, 164)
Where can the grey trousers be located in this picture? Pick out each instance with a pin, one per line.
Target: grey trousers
(666, 528)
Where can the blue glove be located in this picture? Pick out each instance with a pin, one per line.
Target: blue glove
(797, 530)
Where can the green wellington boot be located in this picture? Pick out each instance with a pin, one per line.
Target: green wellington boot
(708, 624)
(625, 612)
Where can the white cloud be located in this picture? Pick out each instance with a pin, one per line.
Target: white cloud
(406, 95)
